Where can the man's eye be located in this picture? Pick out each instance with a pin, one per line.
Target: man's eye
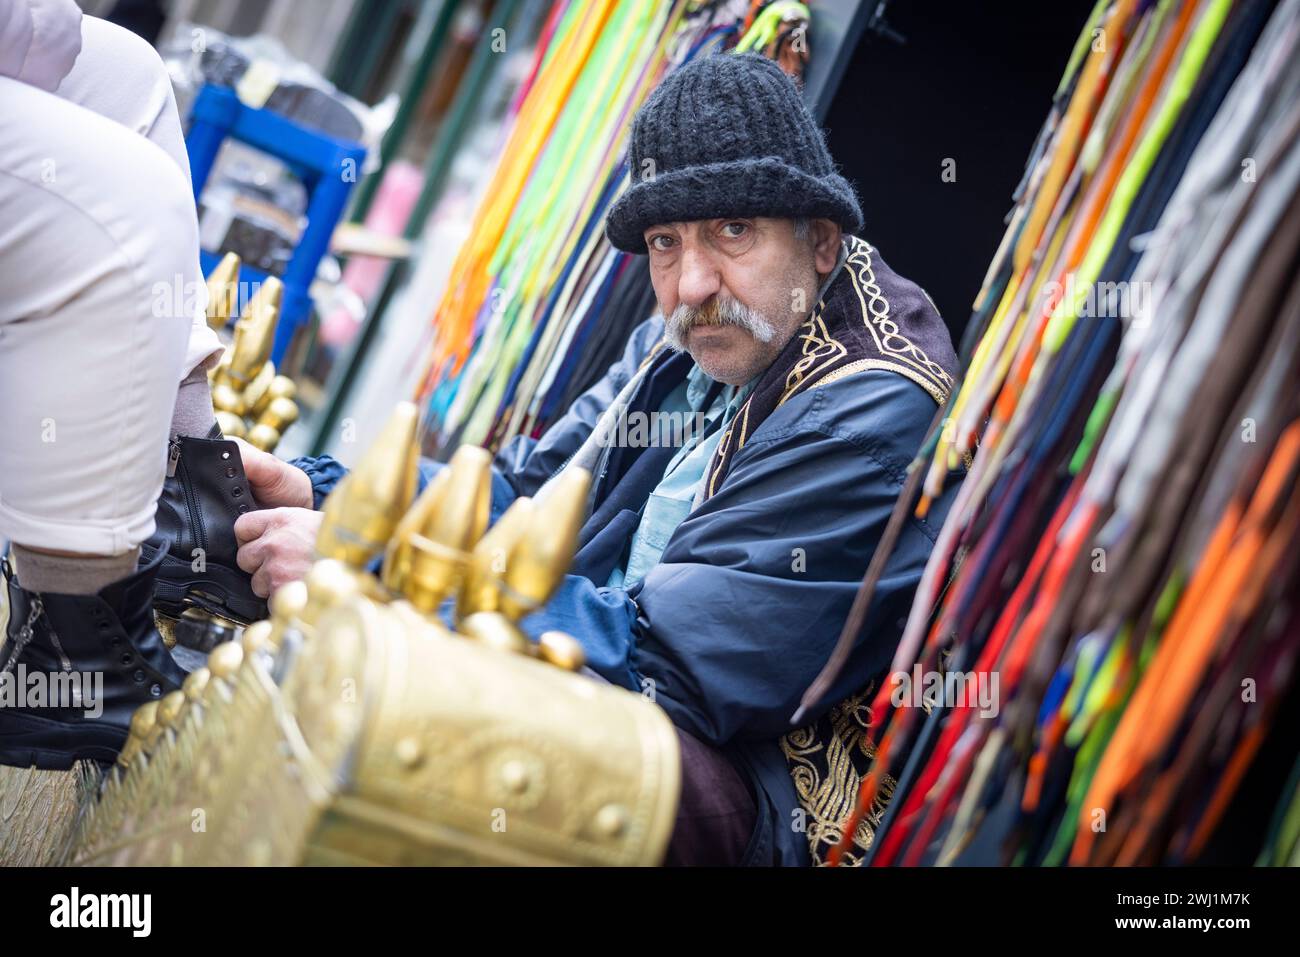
(661, 242)
(734, 230)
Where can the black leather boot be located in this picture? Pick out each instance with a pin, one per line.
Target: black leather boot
(94, 659)
(204, 492)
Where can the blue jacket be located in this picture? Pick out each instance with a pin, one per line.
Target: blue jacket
(754, 586)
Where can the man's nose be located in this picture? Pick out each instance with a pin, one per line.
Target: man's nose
(699, 280)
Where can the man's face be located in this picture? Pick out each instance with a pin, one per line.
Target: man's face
(733, 291)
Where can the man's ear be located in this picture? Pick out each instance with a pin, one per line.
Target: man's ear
(825, 235)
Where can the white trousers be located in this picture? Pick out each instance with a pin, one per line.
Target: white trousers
(101, 313)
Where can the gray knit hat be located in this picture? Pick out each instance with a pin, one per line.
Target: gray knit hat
(727, 135)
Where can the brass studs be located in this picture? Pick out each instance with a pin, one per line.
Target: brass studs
(289, 601)
(561, 650)
(225, 659)
(515, 776)
(170, 709)
(195, 682)
(256, 637)
(611, 820)
(410, 753)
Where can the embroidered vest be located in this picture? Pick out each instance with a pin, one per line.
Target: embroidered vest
(869, 318)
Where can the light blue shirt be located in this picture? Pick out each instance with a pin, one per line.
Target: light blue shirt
(673, 497)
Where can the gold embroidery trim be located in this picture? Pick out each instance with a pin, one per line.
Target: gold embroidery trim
(743, 416)
(653, 354)
(822, 350)
(889, 338)
(827, 780)
(862, 365)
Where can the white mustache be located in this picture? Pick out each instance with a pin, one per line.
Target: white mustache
(716, 312)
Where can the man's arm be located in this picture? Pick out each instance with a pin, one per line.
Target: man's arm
(276, 543)
(751, 593)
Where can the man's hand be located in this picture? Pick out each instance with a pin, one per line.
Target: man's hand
(276, 545)
(274, 482)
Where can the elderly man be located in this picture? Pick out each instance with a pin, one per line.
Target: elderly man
(714, 575)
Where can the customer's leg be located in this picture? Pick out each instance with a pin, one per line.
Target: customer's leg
(120, 76)
(97, 244)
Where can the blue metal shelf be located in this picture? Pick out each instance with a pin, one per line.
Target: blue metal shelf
(328, 168)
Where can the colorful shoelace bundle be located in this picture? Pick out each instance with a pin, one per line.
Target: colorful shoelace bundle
(1117, 555)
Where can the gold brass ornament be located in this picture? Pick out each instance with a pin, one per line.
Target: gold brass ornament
(223, 292)
(251, 401)
(356, 726)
